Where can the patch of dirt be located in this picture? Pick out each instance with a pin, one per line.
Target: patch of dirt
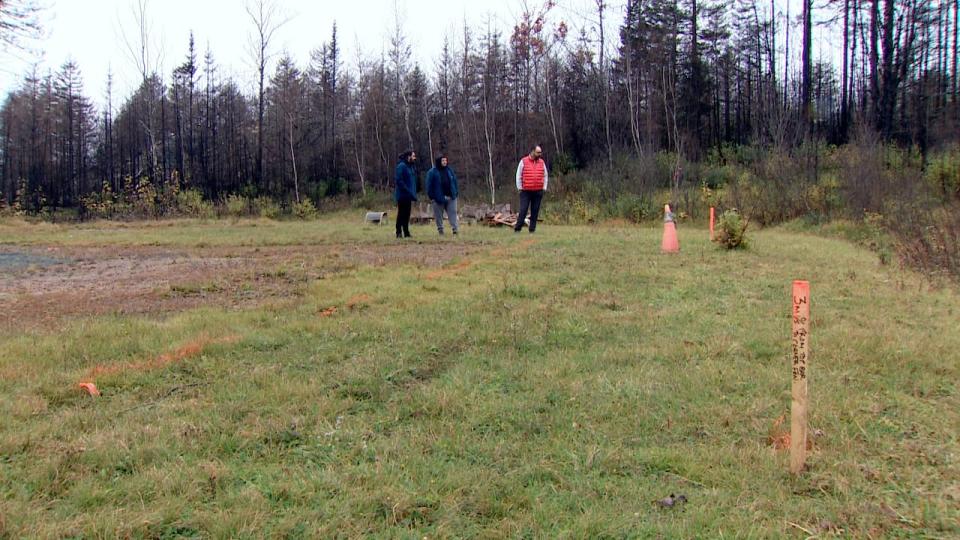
(41, 287)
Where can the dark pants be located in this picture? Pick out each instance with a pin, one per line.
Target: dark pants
(529, 200)
(403, 218)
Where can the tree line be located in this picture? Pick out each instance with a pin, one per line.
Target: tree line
(689, 77)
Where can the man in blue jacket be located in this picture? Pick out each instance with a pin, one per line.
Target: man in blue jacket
(405, 193)
(443, 191)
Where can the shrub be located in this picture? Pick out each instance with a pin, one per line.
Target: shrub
(99, 204)
(563, 163)
(634, 208)
(191, 203)
(305, 209)
(824, 197)
(874, 175)
(714, 178)
(370, 201)
(168, 196)
(580, 211)
(731, 231)
(266, 207)
(334, 187)
(237, 205)
(943, 175)
(143, 197)
(876, 236)
(25, 202)
(929, 240)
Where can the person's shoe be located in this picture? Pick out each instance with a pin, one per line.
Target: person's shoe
(454, 233)
(441, 233)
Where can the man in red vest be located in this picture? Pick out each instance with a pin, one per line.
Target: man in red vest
(531, 182)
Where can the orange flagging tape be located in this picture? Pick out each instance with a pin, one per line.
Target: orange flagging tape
(90, 388)
(190, 350)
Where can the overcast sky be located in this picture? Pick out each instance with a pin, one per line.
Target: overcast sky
(91, 32)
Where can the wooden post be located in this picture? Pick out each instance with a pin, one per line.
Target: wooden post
(712, 219)
(801, 359)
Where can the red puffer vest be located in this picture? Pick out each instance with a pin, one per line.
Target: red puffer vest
(532, 176)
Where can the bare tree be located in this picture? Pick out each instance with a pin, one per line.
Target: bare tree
(399, 55)
(604, 78)
(806, 99)
(632, 80)
(848, 57)
(956, 53)
(356, 115)
(266, 21)
(147, 55)
(491, 84)
(19, 20)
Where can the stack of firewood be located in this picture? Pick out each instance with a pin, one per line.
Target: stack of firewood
(499, 219)
(490, 215)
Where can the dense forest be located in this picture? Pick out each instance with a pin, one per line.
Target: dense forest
(692, 88)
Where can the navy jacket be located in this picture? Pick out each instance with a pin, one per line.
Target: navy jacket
(435, 185)
(405, 177)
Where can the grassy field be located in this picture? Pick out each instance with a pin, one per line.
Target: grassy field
(491, 385)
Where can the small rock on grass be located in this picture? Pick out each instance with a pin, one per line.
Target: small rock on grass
(672, 500)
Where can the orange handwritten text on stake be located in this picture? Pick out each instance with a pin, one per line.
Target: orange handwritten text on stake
(801, 328)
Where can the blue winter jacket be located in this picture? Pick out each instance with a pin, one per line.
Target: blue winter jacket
(435, 185)
(405, 177)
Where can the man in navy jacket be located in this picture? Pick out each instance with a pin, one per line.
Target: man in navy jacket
(405, 192)
(443, 191)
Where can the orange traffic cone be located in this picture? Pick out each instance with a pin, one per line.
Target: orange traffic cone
(670, 243)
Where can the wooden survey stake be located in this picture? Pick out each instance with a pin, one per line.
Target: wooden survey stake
(801, 360)
(712, 220)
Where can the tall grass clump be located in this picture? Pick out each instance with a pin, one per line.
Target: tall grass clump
(266, 207)
(237, 205)
(731, 230)
(191, 203)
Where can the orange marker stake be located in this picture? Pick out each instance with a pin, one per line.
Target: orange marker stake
(712, 220)
(801, 359)
(90, 388)
(670, 244)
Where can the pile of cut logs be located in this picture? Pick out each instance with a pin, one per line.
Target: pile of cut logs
(490, 215)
